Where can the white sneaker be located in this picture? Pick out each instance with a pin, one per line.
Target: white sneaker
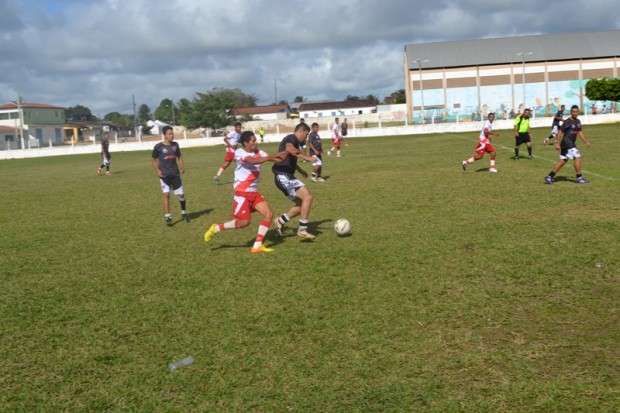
(320, 179)
(329, 153)
(492, 170)
(302, 233)
(313, 178)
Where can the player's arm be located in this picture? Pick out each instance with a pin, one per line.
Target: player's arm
(582, 136)
(301, 171)
(291, 150)
(312, 148)
(156, 166)
(226, 141)
(558, 139)
(181, 164)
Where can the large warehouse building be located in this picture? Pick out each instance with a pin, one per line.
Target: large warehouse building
(468, 79)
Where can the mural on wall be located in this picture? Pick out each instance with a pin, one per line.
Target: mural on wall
(462, 103)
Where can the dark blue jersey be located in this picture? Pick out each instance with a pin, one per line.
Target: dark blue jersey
(558, 118)
(570, 130)
(166, 156)
(289, 165)
(315, 141)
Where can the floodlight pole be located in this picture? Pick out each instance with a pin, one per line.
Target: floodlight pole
(420, 61)
(172, 108)
(523, 56)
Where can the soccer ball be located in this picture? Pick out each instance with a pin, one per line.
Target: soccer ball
(342, 226)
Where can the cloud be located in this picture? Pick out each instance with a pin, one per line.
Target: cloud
(100, 53)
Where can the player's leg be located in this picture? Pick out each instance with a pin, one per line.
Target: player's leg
(492, 163)
(265, 210)
(579, 178)
(167, 214)
(529, 148)
(517, 143)
(555, 170)
(305, 198)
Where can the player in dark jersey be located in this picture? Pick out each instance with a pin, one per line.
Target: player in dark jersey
(566, 144)
(105, 154)
(316, 149)
(165, 156)
(294, 189)
(555, 126)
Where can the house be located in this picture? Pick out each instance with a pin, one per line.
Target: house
(270, 112)
(40, 124)
(156, 126)
(336, 108)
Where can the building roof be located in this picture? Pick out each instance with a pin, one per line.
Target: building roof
(345, 104)
(6, 129)
(543, 48)
(13, 105)
(258, 110)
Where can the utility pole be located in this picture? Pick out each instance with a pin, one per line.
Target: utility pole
(20, 113)
(275, 91)
(135, 116)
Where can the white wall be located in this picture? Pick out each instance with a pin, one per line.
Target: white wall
(357, 132)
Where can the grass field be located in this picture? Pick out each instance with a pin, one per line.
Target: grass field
(457, 291)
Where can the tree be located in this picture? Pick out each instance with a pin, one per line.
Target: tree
(352, 97)
(144, 113)
(399, 96)
(79, 113)
(117, 118)
(299, 99)
(373, 99)
(212, 108)
(603, 89)
(166, 112)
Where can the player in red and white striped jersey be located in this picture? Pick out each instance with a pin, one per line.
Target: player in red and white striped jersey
(484, 144)
(231, 140)
(247, 199)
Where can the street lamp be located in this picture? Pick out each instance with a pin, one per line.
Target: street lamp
(523, 56)
(172, 109)
(420, 61)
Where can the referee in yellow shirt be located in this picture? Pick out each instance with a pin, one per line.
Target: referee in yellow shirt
(522, 133)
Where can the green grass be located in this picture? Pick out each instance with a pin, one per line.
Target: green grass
(456, 291)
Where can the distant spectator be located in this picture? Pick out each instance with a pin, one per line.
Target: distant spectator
(594, 109)
(604, 109)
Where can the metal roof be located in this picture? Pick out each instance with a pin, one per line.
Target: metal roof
(543, 48)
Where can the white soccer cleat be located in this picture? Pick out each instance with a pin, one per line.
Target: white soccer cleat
(492, 170)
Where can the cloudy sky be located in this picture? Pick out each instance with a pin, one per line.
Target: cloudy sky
(98, 53)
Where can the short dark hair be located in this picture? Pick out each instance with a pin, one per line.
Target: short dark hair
(166, 129)
(246, 136)
(302, 126)
(315, 124)
(574, 107)
(491, 113)
(237, 124)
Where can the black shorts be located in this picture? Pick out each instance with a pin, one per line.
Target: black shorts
(522, 138)
(173, 182)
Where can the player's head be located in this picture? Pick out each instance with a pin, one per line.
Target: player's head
(106, 135)
(246, 137)
(491, 116)
(336, 120)
(315, 127)
(526, 113)
(167, 131)
(562, 107)
(574, 111)
(301, 131)
(238, 127)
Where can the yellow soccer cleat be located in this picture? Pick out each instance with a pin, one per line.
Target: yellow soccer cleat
(210, 233)
(261, 248)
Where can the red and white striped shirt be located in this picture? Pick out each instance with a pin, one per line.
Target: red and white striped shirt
(247, 174)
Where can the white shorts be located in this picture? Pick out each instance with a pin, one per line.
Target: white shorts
(289, 185)
(572, 153)
(554, 130)
(106, 160)
(173, 182)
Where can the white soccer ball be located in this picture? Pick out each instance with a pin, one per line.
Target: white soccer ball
(342, 226)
